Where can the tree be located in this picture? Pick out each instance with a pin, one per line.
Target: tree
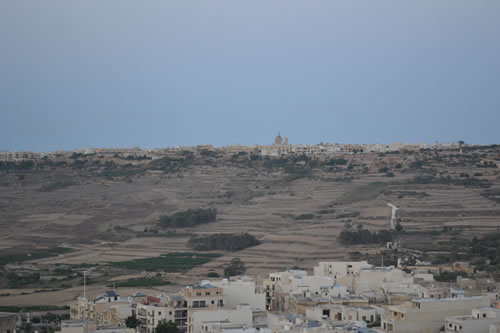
(166, 327)
(131, 321)
(236, 267)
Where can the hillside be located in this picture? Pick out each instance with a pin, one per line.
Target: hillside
(107, 209)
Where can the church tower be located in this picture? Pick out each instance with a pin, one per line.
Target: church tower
(278, 140)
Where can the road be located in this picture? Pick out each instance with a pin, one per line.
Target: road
(393, 215)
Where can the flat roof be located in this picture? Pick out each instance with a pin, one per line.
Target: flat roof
(7, 314)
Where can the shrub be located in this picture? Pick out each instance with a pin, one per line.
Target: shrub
(365, 237)
(188, 218)
(307, 216)
(224, 242)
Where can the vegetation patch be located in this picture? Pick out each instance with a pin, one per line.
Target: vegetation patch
(143, 282)
(364, 192)
(57, 185)
(172, 262)
(188, 218)
(168, 234)
(486, 249)
(462, 181)
(366, 237)
(346, 215)
(449, 276)
(34, 255)
(31, 308)
(223, 242)
(307, 216)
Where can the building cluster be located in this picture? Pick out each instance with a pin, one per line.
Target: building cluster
(6, 156)
(338, 297)
(280, 147)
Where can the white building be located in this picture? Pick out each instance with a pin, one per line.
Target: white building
(242, 290)
(479, 322)
(428, 315)
(241, 316)
(340, 269)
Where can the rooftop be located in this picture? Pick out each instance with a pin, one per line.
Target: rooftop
(110, 293)
(7, 314)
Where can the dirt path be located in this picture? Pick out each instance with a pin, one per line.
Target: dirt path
(393, 216)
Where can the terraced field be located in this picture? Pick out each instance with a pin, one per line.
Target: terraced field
(99, 218)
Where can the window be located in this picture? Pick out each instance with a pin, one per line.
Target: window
(207, 293)
(484, 315)
(159, 313)
(198, 294)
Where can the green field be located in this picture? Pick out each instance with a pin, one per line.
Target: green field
(33, 255)
(143, 282)
(30, 308)
(172, 262)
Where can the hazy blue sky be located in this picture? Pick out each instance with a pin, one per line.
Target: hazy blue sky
(162, 73)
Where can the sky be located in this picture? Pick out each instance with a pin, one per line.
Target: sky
(159, 73)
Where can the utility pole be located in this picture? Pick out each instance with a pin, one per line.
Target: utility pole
(85, 297)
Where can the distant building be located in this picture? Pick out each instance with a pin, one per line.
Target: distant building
(6, 156)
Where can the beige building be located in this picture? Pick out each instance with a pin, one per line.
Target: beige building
(172, 308)
(6, 156)
(177, 308)
(79, 326)
(107, 309)
(428, 315)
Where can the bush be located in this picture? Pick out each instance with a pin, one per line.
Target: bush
(449, 276)
(366, 237)
(188, 218)
(224, 242)
(236, 267)
(56, 185)
(307, 216)
(143, 282)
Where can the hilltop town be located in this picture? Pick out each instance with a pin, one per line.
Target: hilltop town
(280, 147)
(282, 237)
